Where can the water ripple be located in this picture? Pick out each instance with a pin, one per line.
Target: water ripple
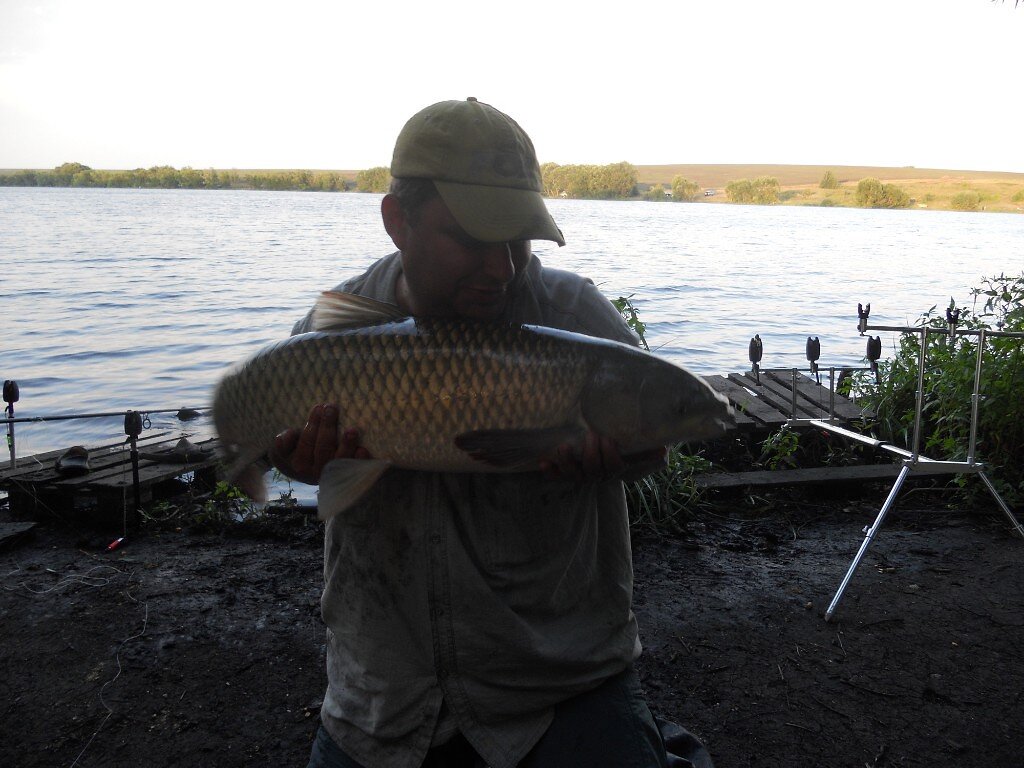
(143, 298)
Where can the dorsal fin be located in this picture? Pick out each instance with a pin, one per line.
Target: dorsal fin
(335, 310)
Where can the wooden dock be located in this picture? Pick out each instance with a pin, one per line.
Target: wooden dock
(768, 401)
(34, 486)
(763, 403)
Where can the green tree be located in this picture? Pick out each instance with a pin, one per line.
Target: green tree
(829, 181)
(376, 179)
(189, 178)
(763, 190)
(766, 190)
(64, 174)
(549, 179)
(655, 192)
(871, 193)
(593, 182)
(685, 190)
(739, 191)
(966, 201)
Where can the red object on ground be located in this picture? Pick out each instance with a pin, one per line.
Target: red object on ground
(114, 544)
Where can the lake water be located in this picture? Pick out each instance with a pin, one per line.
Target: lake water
(125, 298)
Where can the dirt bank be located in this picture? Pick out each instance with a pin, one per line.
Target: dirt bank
(201, 649)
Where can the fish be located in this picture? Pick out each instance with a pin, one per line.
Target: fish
(451, 395)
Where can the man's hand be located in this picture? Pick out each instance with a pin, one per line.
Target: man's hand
(303, 454)
(600, 460)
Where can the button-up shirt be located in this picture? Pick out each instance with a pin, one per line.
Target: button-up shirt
(475, 602)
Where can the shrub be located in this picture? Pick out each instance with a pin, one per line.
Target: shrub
(655, 193)
(763, 190)
(966, 201)
(1018, 196)
(685, 190)
(871, 193)
(373, 179)
(949, 386)
(589, 182)
(829, 181)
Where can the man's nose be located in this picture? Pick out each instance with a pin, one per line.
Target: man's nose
(497, 262)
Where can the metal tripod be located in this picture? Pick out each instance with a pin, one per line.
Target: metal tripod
(913, 461)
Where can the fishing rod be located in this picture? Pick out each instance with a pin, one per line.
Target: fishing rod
(11, 395)
(184, 414)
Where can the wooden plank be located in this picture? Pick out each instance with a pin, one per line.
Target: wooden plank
(778, 395)
(153, 472)
(41, 463)
(817, 395)
(747, 402)
(150, 470)
(113, 471)
(862, 472)
(736, 395)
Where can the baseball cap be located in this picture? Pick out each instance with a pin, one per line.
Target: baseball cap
(484, 167)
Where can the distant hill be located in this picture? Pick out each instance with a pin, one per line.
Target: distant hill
(717, 176)
(928, 188)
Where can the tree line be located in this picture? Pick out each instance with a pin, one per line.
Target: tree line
(616, 181)
(166, 177)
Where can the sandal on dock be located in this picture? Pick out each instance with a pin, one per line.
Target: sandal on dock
(73, 462)
(184, 452)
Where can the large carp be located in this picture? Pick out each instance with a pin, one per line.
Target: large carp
(452, 396)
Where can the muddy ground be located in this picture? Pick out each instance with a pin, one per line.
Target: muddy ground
(206, 648)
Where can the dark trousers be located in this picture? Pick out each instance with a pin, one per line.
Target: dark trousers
(608, 726)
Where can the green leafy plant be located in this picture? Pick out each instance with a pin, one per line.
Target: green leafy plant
(871, 193)
(949, 387)
(966, 201)
(829, 181)
(662, 502)
(779, 449)
(624, 304)
(224, 507)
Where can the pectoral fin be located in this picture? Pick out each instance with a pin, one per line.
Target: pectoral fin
(247, 474)
(344, 481)
(516, 449)
(335, 310)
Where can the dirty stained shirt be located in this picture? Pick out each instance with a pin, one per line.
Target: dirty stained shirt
(475, 602)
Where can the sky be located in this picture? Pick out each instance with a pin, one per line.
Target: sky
(328, 84)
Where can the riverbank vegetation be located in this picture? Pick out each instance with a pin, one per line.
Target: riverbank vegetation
(951, 366)
(813, 185)
(665, 501)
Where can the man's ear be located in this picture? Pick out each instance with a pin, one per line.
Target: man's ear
(394, 220)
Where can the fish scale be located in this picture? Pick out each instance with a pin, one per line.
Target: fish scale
(454, 396)
(407, 393)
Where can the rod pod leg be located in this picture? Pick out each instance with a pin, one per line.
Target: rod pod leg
(868, 538)
(1002, 504)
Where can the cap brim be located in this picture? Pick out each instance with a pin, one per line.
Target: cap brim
(499, 214)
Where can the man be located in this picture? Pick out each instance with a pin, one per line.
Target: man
(476, 618)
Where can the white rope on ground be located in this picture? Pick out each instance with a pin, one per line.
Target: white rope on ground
(117, 658)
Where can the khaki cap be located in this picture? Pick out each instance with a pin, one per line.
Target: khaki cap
(483, 165)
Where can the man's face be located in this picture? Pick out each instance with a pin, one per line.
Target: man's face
(446, 272)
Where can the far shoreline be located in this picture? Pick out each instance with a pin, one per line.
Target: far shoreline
(798, 185)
